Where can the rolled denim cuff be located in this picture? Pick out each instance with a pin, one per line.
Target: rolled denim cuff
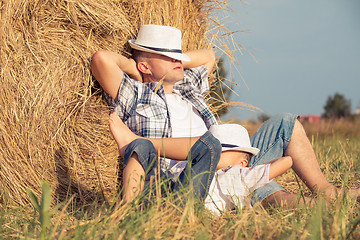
(146, 153)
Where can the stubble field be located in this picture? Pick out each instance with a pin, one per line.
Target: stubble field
(336, 144)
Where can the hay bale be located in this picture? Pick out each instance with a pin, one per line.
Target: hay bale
(53, 123)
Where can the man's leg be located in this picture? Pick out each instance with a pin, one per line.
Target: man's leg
(139, 155)
(141, 165)
(205, 156)
(133, 178)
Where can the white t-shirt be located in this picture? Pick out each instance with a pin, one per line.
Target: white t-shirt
(230, 187)
(186, 121)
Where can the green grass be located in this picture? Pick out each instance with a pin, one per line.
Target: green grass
(166, 218)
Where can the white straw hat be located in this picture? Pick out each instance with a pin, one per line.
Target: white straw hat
(164, 40)
(233, 137)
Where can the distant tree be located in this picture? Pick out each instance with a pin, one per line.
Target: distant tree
(337, 106)
(220, 90)
(263, 117)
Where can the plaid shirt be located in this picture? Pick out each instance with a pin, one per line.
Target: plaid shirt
(145, 112)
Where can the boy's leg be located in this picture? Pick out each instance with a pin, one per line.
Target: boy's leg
(199, 172)
(284, 135)
(306, 165)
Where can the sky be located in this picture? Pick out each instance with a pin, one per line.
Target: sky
(305, 51)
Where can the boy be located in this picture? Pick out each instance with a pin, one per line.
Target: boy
(235, 181)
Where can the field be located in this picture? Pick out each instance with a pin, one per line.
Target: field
(59, 163)
(336, 144)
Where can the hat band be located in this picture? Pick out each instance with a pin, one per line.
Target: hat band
(229, 145)
(161, 49)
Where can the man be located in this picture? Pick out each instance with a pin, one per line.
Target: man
(144, 106)
(149, 109)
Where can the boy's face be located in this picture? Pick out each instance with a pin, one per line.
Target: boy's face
(231, 158)
(165, 67)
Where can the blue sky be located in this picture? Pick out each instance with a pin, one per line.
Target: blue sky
(305, 51)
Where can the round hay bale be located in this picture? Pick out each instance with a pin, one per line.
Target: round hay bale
(53, 123)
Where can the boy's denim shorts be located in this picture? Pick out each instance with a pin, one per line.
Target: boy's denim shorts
(272, 138)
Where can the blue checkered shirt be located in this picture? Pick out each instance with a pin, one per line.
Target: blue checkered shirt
(145, 112)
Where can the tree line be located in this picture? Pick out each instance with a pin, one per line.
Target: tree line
(336, 106)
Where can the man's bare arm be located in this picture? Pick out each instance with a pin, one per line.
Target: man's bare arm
(108, 68)
(201, 57)
(174, 148)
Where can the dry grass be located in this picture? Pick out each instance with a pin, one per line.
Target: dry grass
(53, 123)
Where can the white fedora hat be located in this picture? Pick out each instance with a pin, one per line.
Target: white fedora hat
(164, 40)
(233, 137)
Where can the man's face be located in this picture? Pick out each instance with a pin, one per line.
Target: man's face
(165, 67)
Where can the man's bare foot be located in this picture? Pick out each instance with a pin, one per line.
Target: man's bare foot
(121, 133)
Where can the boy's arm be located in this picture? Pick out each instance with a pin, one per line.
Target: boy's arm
(201, 57)
(279, 166)
(108, 69)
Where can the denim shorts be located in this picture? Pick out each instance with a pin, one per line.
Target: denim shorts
(201, 166)
(272, 138)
